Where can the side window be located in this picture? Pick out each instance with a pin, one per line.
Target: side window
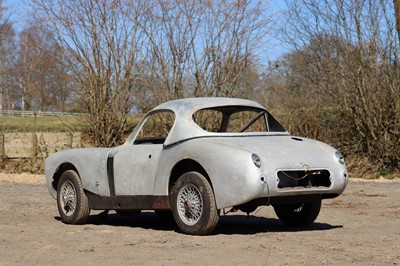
(208, 119)
(156, 128)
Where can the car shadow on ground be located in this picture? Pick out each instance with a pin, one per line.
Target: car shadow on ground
(242, 224)
(227, 225)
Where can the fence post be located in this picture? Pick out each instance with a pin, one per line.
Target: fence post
(34, 145)
(2, 148)
(70, 139)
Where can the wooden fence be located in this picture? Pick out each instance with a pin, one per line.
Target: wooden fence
(38, 145)
(19, 113)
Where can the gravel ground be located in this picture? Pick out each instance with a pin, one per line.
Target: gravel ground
(361, 227)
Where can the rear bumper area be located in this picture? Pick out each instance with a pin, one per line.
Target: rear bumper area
(287, 200)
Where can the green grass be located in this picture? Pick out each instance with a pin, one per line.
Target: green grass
(51, 124)
(41, 124)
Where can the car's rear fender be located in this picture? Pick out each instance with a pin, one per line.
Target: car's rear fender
(232, 174)
(184, 166)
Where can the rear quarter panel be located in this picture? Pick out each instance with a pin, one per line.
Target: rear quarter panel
(234, 177)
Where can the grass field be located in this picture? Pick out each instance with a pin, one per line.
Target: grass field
(50, 123)
(41, 124)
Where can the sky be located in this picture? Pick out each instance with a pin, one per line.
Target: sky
(19, 13)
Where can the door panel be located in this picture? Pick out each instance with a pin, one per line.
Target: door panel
(135, 169)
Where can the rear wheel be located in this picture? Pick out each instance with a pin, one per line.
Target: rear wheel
(193, 204)
(297, 215)
(72, 202)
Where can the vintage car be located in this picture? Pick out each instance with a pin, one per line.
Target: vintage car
(193, 158)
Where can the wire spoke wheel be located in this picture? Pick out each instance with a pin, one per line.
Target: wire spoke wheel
(68, 198)
(72, 202)
(190, 204)
(193, 204)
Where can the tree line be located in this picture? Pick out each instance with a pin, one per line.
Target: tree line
(339, 81)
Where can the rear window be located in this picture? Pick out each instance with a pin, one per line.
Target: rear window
(236, 119)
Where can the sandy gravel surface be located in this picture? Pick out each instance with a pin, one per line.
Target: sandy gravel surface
(24, 178)
(361, 227)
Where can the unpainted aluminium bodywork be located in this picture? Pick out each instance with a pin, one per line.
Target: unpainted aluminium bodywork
(146, 170)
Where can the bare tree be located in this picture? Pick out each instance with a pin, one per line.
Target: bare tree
(396, 4)
(41, 79)
(7, 53)
(1, 55)
(101, 40)
(202, 48)
(345, 73)
(124, 52)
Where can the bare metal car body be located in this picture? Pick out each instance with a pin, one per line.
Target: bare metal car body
(244, 169)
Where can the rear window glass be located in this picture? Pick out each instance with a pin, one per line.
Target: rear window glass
(238, 122)
(231, 119)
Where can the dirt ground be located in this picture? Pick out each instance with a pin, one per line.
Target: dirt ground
(361, 227)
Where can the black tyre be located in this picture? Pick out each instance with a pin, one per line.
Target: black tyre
(298, 215)
(72, 202)
(193, 204)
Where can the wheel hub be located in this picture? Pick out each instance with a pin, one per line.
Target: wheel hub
(190, 204)
(68, 198)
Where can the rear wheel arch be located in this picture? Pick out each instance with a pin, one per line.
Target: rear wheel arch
(185, 166)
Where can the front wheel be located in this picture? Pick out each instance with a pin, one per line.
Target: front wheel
(72, 202)
(298, 215)
(193, 204)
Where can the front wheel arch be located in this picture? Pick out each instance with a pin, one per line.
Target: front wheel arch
(60, 170)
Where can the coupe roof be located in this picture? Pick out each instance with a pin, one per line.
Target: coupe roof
(191, 105)
(184, 127)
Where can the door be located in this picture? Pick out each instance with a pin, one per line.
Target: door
(135, 166)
